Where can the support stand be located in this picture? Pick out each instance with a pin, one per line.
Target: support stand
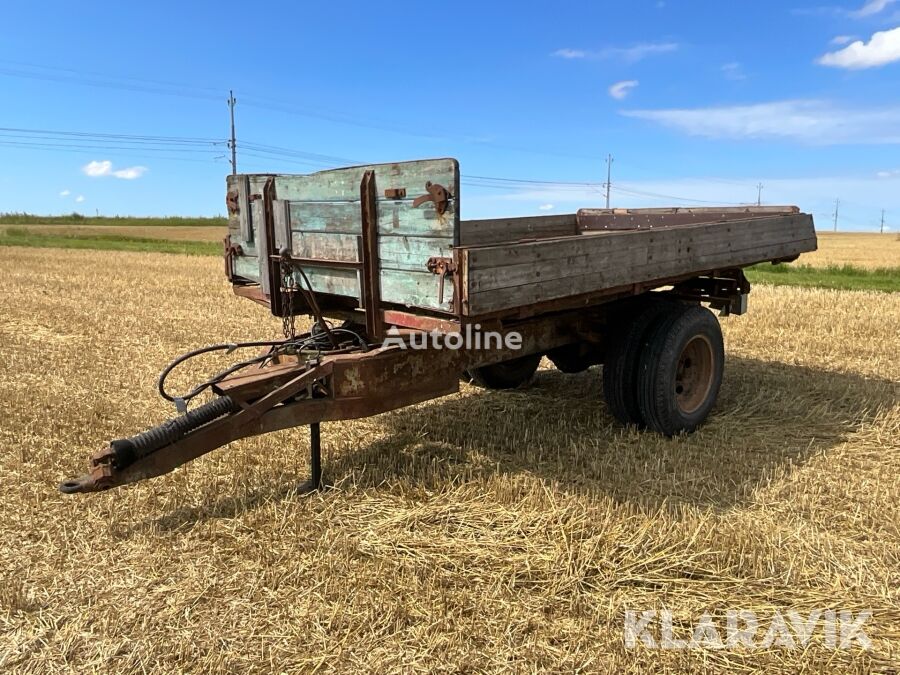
(314, 484)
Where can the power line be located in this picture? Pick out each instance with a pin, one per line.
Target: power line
(182, 90)
(691, 200)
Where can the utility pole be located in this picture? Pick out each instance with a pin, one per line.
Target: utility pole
(232, 143)
(759, 187)
(609, 161)
(837, 204)
(882, 221)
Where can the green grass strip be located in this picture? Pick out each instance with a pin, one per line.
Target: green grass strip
(119, 221)
(14, 236)
(839, 277)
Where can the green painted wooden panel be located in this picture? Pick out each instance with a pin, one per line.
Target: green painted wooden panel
(246, 267)
(343, 184)
(324, 213)
(333, 281)
(418, 289)
(415, 289)
(411, 253)
(334, 217)
(326, 246)
(394, 217)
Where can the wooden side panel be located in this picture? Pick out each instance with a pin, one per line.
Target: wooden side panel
(343, 184)
(505, 277)
(324, 211)
(499, 230)
(243, 224)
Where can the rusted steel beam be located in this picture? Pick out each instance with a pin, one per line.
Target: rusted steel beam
(371, 290)
(337, 386)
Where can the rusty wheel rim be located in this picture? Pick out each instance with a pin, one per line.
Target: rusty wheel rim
(694, 374)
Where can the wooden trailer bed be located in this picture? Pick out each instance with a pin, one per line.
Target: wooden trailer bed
(389, 237)
(383, 247)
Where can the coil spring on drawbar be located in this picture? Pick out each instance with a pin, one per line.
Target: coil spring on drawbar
(127, 450)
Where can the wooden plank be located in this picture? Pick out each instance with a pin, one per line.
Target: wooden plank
(333, 281)
(618, 276)
(332, 217)
(343, 184)
(550, 249)
(326, 246)
(621, 252)
(282, 213)
(411, 253)
(246, 267)
(415, 289)
(497, 230)
(258, 211)
(635, 219)
(244, 212)
(590, 263)
(396, 217)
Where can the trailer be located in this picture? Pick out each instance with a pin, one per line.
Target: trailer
(406, 300)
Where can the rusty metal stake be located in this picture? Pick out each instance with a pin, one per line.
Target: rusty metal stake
(314, 484)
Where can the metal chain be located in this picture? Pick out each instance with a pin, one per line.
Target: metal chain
(288, 288)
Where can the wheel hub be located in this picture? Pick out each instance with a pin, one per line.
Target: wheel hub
(694, 374)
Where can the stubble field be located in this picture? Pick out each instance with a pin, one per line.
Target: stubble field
(484, 531)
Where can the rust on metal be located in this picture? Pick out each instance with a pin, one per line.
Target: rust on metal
(231, 250)
(232, 201)
(395, 193)
(371, 286)
(443, 267)
(437, 194)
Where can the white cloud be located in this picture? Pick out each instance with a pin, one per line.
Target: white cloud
(630, 54)
(546, 207)
(96, 169)
(570, 53)
(621, 89)
(893, 173)
(733, 71)
(130, 173)
(883, 48)
(65, 193)
(839, 40)
(870, 8)
(79, 198)
(808, 121)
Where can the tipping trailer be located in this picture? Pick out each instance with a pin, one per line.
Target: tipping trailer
(407, 299)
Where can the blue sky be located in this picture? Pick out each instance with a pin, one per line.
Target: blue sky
(697, 101)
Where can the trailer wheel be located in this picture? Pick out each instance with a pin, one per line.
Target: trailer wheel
(575, 358)
(620, 369)
(680, 371)
(506, 374)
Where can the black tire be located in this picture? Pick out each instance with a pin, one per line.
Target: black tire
(574, 358)
(680, 371)
(506, 374)
(620, 369)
